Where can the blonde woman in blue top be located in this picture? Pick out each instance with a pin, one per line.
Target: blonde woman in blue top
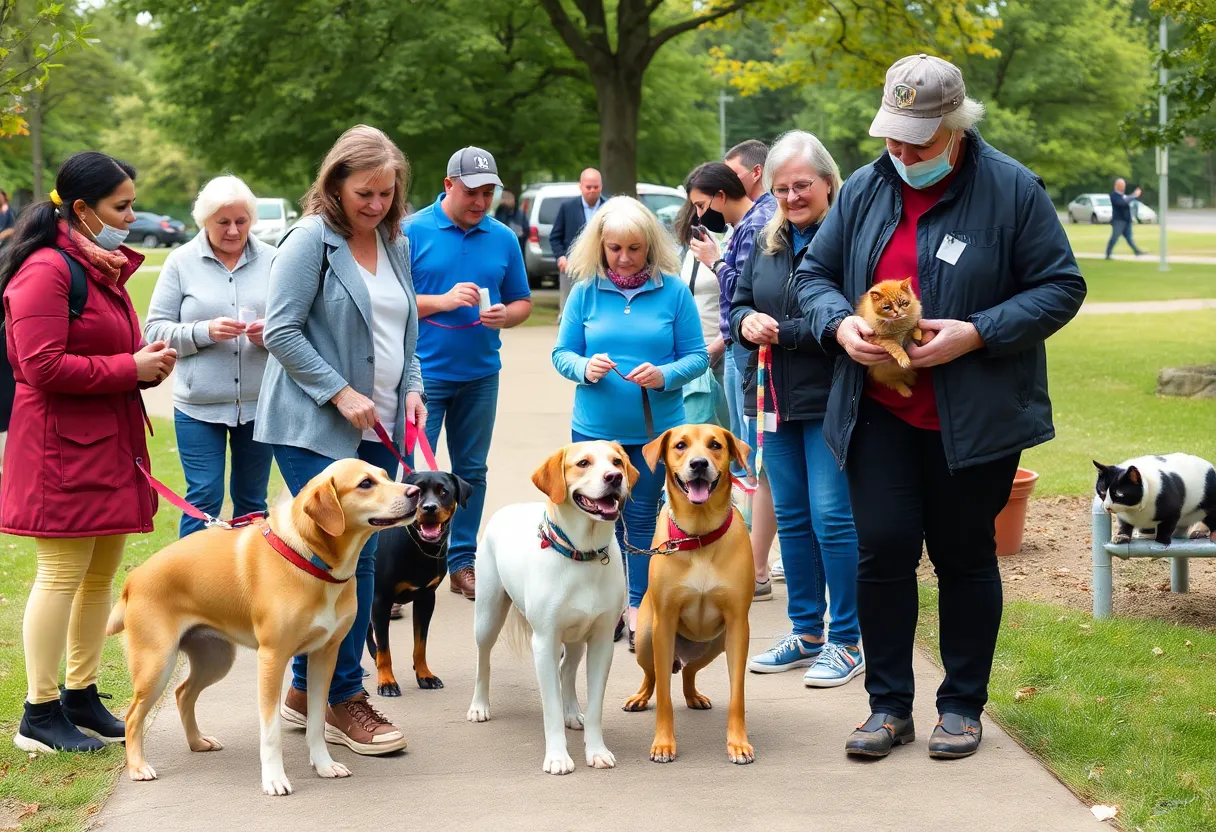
(629, 329)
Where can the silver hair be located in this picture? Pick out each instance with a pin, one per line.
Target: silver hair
(221, 191)
(965, 116)
(796, 145)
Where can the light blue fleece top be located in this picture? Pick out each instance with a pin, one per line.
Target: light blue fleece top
(659, 324)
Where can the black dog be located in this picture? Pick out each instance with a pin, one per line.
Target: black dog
(410, 562)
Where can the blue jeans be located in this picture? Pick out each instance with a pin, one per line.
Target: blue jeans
(298, 466)
(639, 515)
(815, 524)
(732, 381)
(469, 408)
(1120, 228)
(201, 447)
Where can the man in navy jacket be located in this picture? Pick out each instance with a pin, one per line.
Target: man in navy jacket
(571, 217)
(1121, 217)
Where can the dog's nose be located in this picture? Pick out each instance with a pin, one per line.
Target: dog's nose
(430, 508)
(699, 465)
(614, 477)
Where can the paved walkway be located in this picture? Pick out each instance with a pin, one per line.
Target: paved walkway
(460, 776)
(1149, 258)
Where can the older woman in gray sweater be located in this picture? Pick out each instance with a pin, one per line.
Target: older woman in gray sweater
(208, 304)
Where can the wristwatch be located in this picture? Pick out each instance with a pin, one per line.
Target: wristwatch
(717, 263)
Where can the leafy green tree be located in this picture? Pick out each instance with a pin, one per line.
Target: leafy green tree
(32, 37)
(1191, 88)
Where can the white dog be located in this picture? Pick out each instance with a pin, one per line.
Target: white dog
(558, 565)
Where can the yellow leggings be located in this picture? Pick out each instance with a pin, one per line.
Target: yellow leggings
(68, 607)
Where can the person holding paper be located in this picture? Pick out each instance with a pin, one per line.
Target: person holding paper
(208, 304)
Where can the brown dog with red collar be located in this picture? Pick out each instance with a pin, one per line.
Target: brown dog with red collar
(701, 584)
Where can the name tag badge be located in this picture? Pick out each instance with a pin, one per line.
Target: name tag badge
(770, 422)
(951, 249)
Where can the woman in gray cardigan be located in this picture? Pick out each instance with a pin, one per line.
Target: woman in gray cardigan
(208, 305)
(341, 328)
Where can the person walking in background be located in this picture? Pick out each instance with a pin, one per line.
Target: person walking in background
(630, 330)
(932, 470)
(341, 329)
(512, 216)
(8, 219)
(1121, 217)
(572, 215)
(810, 492)
(457, 250)
(71, 479)
(209, 304)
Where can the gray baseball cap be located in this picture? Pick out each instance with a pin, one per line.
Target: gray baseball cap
(474, 167)
(920, 89)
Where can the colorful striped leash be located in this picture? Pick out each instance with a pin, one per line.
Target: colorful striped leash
(764, 379)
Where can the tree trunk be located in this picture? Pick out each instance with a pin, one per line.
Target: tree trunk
(35, 123)
(619, 96)
(1212, 178)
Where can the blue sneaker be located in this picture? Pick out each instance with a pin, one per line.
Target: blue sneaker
(792, 651)
(835, 666)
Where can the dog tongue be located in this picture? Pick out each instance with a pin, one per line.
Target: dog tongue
(698, 491)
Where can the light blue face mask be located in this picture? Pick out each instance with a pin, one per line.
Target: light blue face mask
(928, 172)
(109, 238)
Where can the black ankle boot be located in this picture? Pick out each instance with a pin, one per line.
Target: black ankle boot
(45, 729)
(84, 709)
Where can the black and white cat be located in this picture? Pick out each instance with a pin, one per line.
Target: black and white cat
(1156, 494)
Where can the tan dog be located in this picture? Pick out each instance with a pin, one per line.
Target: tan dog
(215, 589)
(699, 594)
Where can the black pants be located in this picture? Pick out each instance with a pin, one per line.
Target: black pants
(903, 494)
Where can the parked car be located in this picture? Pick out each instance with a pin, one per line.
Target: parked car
(275, 216)
(1141, 213)
(540, 204)
(1090, 208)
(154, 230)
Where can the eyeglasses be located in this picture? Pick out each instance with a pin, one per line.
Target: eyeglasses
(797, 189)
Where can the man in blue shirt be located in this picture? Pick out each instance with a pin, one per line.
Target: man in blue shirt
(1121, 217)
(456, 250)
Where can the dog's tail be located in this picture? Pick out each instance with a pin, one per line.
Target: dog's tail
(517, 633)
(118, 615)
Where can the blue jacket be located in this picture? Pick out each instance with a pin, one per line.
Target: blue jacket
(1017, 281)
(659, 325)
(1120, 209)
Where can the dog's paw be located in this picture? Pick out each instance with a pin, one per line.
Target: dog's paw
(429, 682)
(558, 762)
(600, 758)
(740, 753)
(205, 744)
(574, 720)
(698, 701)
(1199, 531)
(332, 769)
(637, 702)
(663, 752)
(1120, 538)
(479, 712)
(276, 785)
(141, 771)
(389, 689)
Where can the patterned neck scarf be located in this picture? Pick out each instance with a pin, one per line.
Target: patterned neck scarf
(633, 281)
(108, 263)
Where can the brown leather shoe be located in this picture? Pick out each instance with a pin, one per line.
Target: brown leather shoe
(295, 707)
(361, 728)
(464, 582)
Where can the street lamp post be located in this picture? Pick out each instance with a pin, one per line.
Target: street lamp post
(722, 99)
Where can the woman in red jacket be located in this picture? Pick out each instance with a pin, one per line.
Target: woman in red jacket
(77, 434)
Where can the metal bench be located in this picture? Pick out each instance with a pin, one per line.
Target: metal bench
(1180, 551)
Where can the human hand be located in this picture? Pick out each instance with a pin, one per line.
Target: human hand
(154, 362)
(599, 366)
(716, 349)
(254, 332)
(356, 408)
(647, 375)
(415, 410)
(943, 341)
(224, 329)
(495, 317)
(561, 263)
(852, 335)
(462, 294)
(760, 328)
(706, 250)
(1136, 194)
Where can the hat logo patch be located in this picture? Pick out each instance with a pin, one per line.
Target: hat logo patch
(904, 96)
(481, 163)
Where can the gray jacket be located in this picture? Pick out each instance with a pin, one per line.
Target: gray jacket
(213, 382)
(319, 334)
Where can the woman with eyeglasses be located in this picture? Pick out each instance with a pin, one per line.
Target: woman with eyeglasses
(810, 493)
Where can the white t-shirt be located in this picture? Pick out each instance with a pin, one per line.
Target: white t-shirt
(390, 310)
(705, 293)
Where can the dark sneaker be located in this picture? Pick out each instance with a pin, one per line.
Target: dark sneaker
(84, 709)
(361, 728)
(955, 736)
(295, 707)
(44, 729)
(877, 735)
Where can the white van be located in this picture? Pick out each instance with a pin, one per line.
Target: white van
(275, 216)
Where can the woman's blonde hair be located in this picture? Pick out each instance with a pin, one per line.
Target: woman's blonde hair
(622, 215)
(796, 146)
(361, 148)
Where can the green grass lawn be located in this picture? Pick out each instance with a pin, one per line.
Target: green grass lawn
(1118, 723)
(1117, 280)
(1092, 239)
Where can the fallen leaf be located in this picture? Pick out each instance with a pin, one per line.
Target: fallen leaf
(1095, 773)
(12, 811)
(1100, 699)
(1104, 812)
(1157, 651)
(1024, 693)
(1188, 644)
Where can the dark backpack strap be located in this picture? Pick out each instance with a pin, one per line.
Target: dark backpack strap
(692, 278)
(78, 291)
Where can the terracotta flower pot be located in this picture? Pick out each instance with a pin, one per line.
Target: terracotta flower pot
(1011, 522)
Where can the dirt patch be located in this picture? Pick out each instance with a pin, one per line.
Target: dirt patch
(1055, 567)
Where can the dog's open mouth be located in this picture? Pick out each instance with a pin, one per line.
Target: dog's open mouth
(698, 489)
(430, 531)
(388, 521)
(607, 507)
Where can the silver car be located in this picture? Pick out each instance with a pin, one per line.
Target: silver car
(540, 204)
(1095, 208)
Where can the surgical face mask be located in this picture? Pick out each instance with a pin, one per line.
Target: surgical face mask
(928, 172)
(713, 220)
(109, 238)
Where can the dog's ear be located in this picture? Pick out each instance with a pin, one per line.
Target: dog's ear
(739, 451)
(550, 477)
(1133, 474)
(631, 473)
(463, 491)
(654, 452)
(325, 509)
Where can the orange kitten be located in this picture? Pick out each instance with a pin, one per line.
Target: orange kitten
(893, 312)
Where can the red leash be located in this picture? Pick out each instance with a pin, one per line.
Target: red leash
(180, 503)
(413, 438)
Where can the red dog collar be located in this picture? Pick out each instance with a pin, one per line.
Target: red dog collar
(314, 566)
(681, 541)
